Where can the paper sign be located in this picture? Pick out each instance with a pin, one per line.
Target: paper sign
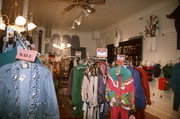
(101, 52)
(78, 53)
(26, 55)
(120, 59)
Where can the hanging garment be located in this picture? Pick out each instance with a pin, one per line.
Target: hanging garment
(9, 57)
(75, 42)
(27, 92)
(162, 84)
(176, 15)
(121, 92)
(92, 96)
(70, 79)
(120, 98)
(145, 84)
(84, 94)
(175, 85)
(148, 69)
(167, 70)
(119, 113)
(156, 69)
(92, 92)
(101, 96)
(76, 88)
(140, 101)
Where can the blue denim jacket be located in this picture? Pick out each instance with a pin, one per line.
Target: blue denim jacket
(27, 93)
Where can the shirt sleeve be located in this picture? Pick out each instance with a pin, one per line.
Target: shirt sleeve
(52, 110)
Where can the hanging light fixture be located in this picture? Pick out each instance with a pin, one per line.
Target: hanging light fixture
(20, 21)
(78, 20)
(2, 25)
(31, 26)
(85, 13)
(68, 45)
(73, 26)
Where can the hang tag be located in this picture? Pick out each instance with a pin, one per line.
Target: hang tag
(26, 55)
(102, 108)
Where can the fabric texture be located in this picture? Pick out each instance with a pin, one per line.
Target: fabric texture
(76, 88)
(175, 85)
(156, 69)
(121, 92)
(145, 84)
(10, 57)
(167, 70)
(119, 113)
(27, 93)
(70, 81)
(176, 15)
(148, 69)
(140, 101)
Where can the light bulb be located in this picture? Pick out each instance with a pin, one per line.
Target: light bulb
(31, 26)
(2, 25)
(68, 45)
(20, 20)
(89, 10)
(61, 48)
(55, 45)
(73, 26)
(17, 28)
(77, 21)
(62, 45)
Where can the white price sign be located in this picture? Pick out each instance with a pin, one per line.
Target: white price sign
(78, 53)
(101, 52)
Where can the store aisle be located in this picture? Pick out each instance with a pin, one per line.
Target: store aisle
(66, 110)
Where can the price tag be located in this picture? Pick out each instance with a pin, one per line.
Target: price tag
(26, 55)
(120, 59)
(101, 52)
(78, 53)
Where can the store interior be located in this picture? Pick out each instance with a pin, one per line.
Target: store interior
(90, 59)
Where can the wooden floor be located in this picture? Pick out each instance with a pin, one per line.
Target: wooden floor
(66, 110)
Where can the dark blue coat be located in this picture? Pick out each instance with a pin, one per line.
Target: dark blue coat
(140, 102)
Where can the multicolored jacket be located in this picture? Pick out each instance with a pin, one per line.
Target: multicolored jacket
(121, 92)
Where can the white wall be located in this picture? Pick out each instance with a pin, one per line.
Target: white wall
(134, 26)
(86, 40)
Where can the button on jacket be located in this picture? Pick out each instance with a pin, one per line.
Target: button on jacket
(27, 92)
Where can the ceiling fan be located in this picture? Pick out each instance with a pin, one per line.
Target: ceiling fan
(85, 4)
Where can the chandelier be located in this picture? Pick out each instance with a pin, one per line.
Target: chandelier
(20, 24)
(63, 41)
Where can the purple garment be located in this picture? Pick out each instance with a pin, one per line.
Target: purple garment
(70, 82)
(140, 102)
(101, 90)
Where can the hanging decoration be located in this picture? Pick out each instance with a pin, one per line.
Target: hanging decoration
(152, 27)
(116, 37)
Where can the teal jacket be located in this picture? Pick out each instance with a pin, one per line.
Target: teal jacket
(175, 80)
